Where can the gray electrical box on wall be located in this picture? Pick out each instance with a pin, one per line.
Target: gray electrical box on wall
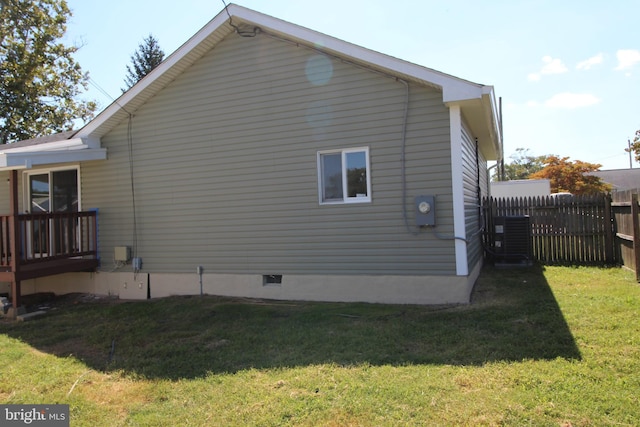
(425, 211)
(122, 253)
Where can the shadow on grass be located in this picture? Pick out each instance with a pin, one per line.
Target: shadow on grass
(513, 316)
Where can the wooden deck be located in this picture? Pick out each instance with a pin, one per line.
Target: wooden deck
(49, 268)
(46, 244)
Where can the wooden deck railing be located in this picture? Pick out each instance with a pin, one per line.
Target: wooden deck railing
(49, 236)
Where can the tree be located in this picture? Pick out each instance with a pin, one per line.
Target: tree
(522, 165)
(571, 176)
(39, 79)
(146, 58)
(635, 146)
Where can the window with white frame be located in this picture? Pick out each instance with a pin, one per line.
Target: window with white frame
(52, 190)
(343, 176)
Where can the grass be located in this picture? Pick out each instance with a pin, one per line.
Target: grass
(542, 346)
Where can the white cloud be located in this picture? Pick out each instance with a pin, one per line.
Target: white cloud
(569, 100)
(551, 66)
(588, 63)
(627, 58)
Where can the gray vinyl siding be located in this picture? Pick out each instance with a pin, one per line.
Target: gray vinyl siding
(474, 179)
(5, 196)
(5, 193)
(225, 170)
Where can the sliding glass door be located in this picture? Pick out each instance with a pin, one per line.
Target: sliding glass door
(52, 192)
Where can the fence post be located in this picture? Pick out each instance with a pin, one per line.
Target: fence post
(636, 233)
(608, 228)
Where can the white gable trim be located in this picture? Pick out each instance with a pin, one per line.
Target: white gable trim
(459, 227)
(122, 107)
(453, 89)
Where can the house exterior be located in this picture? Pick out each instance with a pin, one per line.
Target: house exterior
(619, 179)
(263, 159)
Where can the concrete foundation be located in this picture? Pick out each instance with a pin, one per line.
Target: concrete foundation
(330, 288)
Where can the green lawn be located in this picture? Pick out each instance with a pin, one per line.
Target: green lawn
(553, 346)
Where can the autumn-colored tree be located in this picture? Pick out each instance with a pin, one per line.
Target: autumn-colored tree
(571, 176)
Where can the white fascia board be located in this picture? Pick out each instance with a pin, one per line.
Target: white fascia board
(64, 145)
(457, 91)
(26, 160)
(493, 118)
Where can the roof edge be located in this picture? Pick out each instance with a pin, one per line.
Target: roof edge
(454, 89)
(119, 105)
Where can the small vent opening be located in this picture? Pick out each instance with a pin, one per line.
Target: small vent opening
(271, 279)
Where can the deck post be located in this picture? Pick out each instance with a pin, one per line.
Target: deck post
(14, 234)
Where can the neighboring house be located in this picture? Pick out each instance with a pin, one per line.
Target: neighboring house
(620, 179)
(521, 188)
(277, 163)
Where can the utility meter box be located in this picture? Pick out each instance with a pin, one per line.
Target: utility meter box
(425, 211)
(122, 253)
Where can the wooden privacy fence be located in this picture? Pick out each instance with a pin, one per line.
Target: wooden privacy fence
(626, 217)
(601, 229)
(563, 230)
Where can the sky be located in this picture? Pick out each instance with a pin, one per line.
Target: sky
(568, 72)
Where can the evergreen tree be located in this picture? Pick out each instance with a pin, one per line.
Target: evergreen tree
(148, 56)
(39, 79)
